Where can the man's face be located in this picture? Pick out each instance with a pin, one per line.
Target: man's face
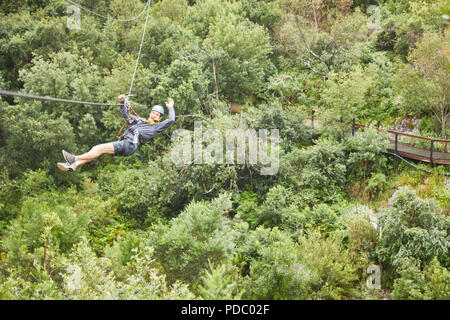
(155, 115)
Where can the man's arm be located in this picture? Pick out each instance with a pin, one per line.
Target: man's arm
(169, 105)
(124, 108)
(150, 131)
(171, 120)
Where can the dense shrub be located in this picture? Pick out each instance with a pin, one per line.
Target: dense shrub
(414, 284)
(411, 228)
(279, 273)
(200, 233)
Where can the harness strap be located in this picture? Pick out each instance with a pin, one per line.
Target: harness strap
(129, 107)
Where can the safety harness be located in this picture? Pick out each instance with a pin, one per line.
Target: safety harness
(128, 105)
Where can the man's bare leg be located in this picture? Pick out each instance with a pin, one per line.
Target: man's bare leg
(94, 153)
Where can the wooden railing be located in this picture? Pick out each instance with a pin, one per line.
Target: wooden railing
(396, 135)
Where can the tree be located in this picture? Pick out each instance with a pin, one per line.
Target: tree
(34, 139)
(424, 83)
(411, 228)
(200, 233)
(414, 284)
(65, 75)
(324, 171)
(318, 45)
(345, 93)
(242, 56)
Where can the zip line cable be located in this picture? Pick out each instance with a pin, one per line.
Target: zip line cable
(403, 159)
(45, 98)
(140, 47)
(109, 18)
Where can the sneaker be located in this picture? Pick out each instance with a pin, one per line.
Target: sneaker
(65, 166)
(70, 158)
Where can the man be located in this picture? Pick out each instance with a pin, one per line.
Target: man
(139, 131)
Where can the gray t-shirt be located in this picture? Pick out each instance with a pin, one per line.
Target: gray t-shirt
(139, 130)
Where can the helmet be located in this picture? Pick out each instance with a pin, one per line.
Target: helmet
(158, 108)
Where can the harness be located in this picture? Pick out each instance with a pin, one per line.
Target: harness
(128, 105)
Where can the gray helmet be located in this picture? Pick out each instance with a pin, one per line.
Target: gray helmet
(158, 108)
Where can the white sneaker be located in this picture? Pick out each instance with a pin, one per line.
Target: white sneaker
(65, 166)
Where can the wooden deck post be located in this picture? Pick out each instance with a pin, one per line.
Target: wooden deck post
(353, 127)
(431, 152)
(445, 149)
(395, 150)
(396, 140)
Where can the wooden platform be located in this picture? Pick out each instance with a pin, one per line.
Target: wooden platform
(403, 149)
(410, 152)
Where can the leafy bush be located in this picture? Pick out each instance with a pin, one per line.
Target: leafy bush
(250, 243)
(324, 170)
(289, 123)
(44, 135)
(88, 277)
(414, 284)
(360, 236)
(221, 283)
(278, 207)
(365, 153)
(411, 228)
(320, 218)
(242, 56)
(279, 273)
(144, 194)
(199, 233)
(336, 274)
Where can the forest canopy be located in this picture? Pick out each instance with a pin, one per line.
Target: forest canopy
(148, 227)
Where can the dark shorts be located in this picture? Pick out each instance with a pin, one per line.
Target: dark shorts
(124, 147)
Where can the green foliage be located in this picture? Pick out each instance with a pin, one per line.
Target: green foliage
(67, 75)
(203, 14)
(424, 89)
(278, 207)
(288, 122)
(242, 52)
(265, 13)
(250, 243)
(164, 41)
(279, 273)
(142, 193)
(247, 209)
(199, 233)
(220, 283)
(324, 171)
(187, 80)
(143, 227)
(361, 236)
(335, 272)
(88, 277)
(33, 139)
(365, 153)
(411, 228)
(414, 284)
(320, 218)
(346, 92)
